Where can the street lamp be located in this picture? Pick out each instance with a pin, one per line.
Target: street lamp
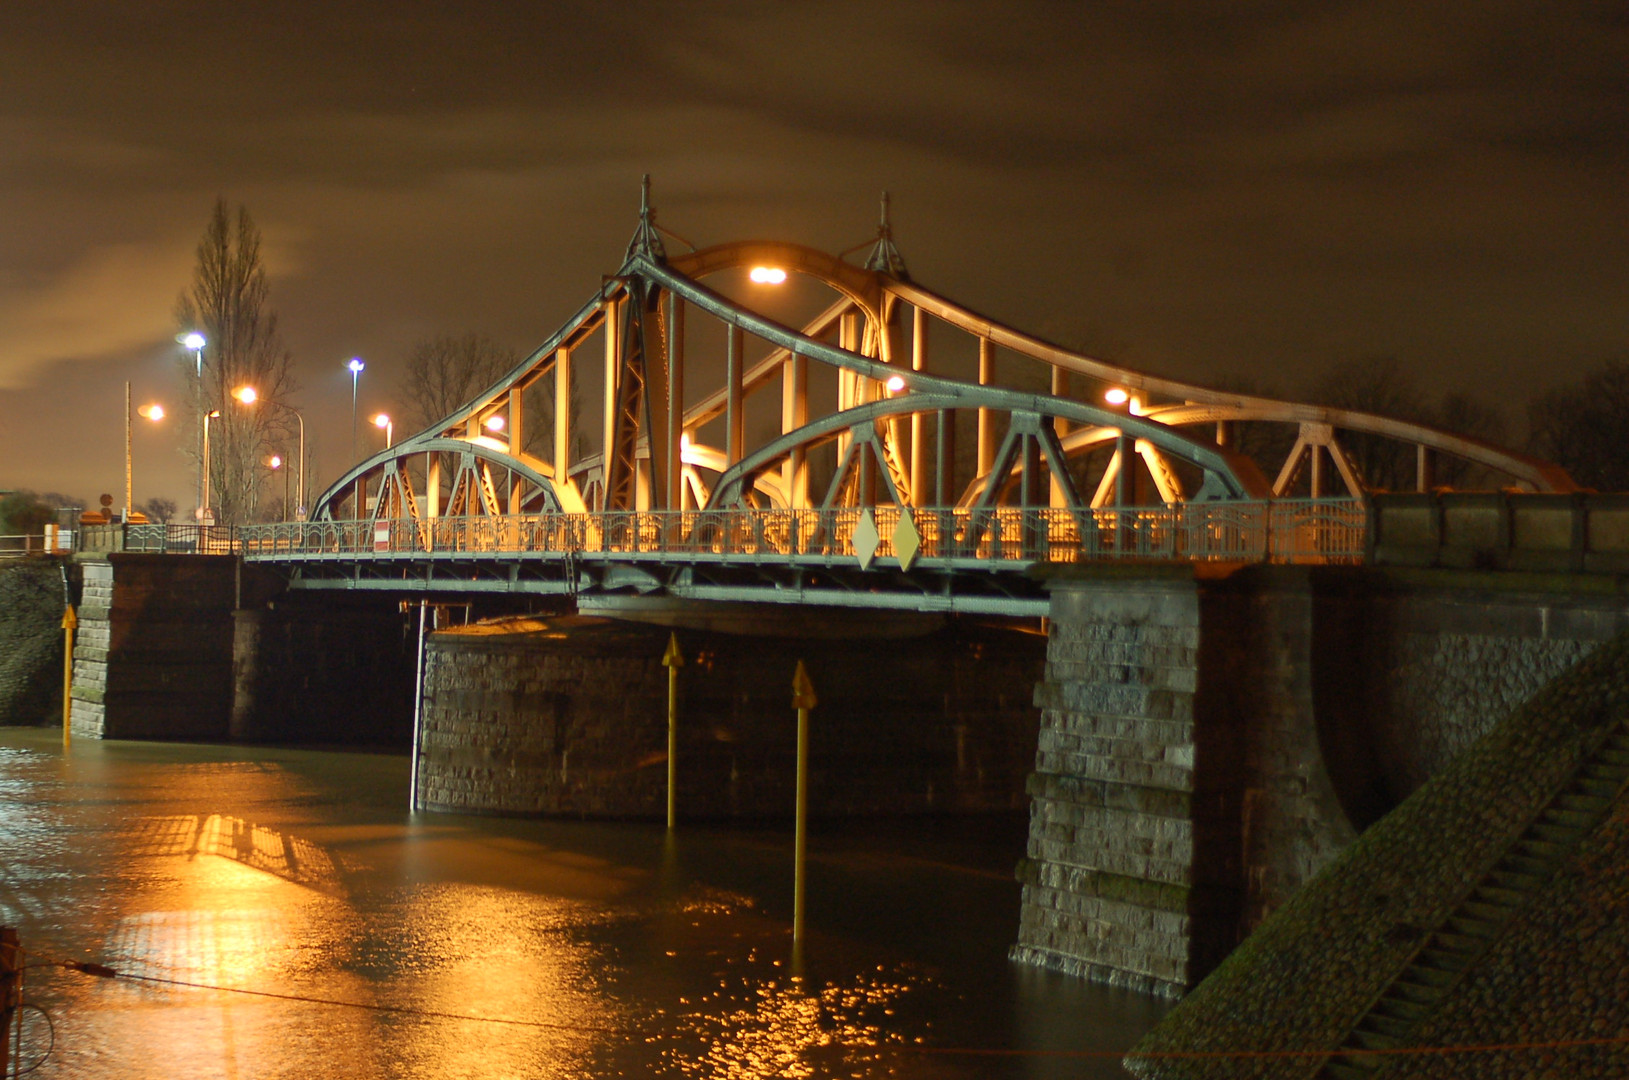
(276, 464)
(355, 367)
(383, 421)
(149, 412)
(193, 340)
(248, 395)
(205, 515)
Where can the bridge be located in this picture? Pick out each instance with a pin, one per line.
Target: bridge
(776, 425)
(744, 458)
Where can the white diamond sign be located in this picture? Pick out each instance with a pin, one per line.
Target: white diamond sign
(866, 539)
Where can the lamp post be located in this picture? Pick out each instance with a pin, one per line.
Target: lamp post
(248, 395)
(149, 412)
(205, 515)
(276, 465)
(195, 341)
(380, 420)
(355, 367)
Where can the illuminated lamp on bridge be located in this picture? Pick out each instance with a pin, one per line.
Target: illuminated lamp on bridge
(1116, 396)
(895, 384)
(494, 424)
(388, 426)
(767, 275)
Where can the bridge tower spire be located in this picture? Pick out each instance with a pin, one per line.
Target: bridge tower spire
(647, 240)
(885, 257)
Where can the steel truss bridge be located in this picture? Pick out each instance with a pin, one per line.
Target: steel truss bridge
(858, 495)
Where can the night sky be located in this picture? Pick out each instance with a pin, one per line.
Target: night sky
(1216, 191)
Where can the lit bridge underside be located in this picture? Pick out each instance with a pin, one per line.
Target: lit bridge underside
(665, 493)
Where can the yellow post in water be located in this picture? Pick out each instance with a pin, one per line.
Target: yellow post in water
(803, 699)
(673, 660)
(70, 623)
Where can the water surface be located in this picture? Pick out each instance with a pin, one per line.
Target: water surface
(495, 947)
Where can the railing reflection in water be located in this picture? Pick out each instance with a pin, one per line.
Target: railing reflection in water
(1285, 530)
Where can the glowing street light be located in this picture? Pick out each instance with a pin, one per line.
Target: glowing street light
(767, 275)
(276, 465)
(383, 422)
(193, 340)
(355, 367)
(148, 412)
(248, 395)
(206, 516)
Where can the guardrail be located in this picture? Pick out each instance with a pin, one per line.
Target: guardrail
(1284, 530)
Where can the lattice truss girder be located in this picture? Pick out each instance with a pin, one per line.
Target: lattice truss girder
(893, 428)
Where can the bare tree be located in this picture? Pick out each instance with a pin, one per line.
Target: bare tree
(159, 508)
(1383, 386)
(1585, 428)
(445, 372)
(227, 304)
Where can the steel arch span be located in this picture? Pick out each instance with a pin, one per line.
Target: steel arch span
(708, 401)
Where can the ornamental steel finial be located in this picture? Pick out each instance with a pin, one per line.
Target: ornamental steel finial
(885, 257)
(646, 240)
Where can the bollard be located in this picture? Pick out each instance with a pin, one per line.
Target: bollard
(803, 699)
(673, 660)
(70, 623)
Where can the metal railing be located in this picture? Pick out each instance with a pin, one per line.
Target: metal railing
(1284, 530)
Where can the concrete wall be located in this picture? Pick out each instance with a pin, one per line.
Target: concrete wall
(324, 668)
(1207, 746)
(568, 716)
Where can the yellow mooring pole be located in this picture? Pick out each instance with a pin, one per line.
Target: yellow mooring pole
(803, 699)
(673, 660)
(70, 623)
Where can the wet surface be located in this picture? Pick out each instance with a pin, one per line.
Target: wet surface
(484, 947)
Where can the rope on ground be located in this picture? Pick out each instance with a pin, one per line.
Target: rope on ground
(103, 972)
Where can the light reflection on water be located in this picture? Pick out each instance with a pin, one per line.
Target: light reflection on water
(607, 950)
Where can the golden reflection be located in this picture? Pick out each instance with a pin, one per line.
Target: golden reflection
(498, 952)
(285, 855)
(788, 1028)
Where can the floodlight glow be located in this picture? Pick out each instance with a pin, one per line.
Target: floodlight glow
(381, 420)
(275, 462)
(246, 394)
(152, 412)
(494, 423)
(895, 384)
(355, 364)
(767, 275)
(193, 341)
(1116, 396)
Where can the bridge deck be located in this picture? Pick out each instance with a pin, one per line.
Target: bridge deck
(886, 557)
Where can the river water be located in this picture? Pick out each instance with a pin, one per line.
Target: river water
(486, 947)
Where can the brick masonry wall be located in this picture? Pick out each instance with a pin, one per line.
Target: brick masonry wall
(1206, 748)
(152, 659)
(568, 717)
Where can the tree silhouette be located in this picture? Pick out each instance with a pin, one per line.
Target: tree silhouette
(1585, 428)
(226, 302)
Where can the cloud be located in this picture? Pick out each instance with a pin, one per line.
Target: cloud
(113, 298)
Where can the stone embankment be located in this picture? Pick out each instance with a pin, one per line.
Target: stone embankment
(1554, 970)
(31, 604)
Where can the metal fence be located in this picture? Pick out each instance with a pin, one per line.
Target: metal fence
(1284, 530)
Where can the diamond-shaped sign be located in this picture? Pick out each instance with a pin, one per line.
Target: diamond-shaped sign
(866, 539)
(907, 541)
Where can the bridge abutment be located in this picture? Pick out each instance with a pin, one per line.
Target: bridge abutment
(1208, 744)
(568, 716)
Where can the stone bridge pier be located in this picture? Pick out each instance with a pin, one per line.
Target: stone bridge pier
(1207, 744)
